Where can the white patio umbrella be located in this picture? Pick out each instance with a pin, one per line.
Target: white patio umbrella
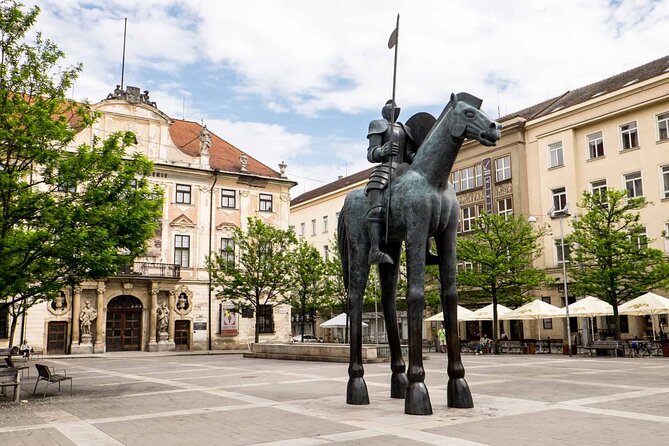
(338, 321)
(647, 304)
(590, 307)
(485, 313)
(537, 309)
(463, 314)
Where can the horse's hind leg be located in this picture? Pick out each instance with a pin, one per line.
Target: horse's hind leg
(388, 280)
(356, 390)
(458, 393)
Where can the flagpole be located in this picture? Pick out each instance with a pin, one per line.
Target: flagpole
(396, 34)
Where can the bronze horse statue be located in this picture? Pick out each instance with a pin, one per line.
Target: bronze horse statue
(423, 204)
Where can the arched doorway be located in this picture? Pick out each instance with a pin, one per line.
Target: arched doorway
(124, 324)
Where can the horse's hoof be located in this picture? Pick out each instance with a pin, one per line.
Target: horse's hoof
(459, 395)
(378, 256)
(356, 392)
(398, 385)
(417, 401)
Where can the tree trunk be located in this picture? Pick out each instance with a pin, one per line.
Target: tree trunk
(257, 328)
(616, 320)
(303, 309)
(12, 330)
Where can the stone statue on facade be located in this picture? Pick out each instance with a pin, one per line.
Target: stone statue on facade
(205, 140)
(163, 318)
(87, 316)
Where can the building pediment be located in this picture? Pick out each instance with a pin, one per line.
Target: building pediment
(182, 221)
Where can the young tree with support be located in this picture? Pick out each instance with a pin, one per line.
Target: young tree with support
(501, 251)
(261, 278)
(611, 257)
(308, 278)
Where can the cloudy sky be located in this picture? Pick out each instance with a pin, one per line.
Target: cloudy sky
(299, 80)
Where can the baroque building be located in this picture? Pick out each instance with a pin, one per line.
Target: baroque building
(164, 301)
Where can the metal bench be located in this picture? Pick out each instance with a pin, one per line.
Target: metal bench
(48, 374)
(12, 365)
(10, 377)
(604, 348)
(510, 347)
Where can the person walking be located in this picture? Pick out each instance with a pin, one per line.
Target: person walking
(442, 339)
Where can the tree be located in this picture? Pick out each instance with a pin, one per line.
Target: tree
(261, 277)
(610, 253)
(308, 274)
(67, 213)
(500, 251)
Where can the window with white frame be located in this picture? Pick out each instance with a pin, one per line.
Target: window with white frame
(664, 172)
(325, 224)
(468, 217)
(313, 227)
(548, 323)
(559, 199)
(302, 225)
(265, 203)
(182, 250)
(633, 184)
(183, 194)
(505, 207)
(595, 145)
(227, 250)
(467, 179)
(478, 173)
(326, 252)
(555, 155)
(503, 168)
(663, 126)
(641, 239)
(558, 250)
(480, 209)
(629, 135)
(598, 187)
(455, 180)
(228, 198)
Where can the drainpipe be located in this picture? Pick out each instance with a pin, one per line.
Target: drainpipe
(211, 230)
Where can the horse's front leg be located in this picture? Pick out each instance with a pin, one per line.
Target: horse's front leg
(458, 393)
(356, 390)
(417, 400)
(388, 281)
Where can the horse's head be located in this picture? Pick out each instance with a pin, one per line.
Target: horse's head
(467, 121)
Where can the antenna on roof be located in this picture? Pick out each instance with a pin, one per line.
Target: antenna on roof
(125, 29)
(183, 108)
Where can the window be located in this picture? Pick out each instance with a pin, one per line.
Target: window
(313, 227)
(467, 178)
(302, 225)
(663, 126)
(559, 199)
(478, 173)
(629, 135)
(665, 181)
(558, 248)
(595, 145)
(265, 203)
(326, 252)
(325, 224)
(455, 180)
(468, 218)
(598, 187)
(548, 323)
(183, 194)
(633, 184)
(228, 250)
(505, 207)
(641, 239)
(555, 155)
(228, 198)
(182, 250)
(265, 319)
(503, 169)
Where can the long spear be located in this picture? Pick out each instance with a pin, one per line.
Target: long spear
(392, 42)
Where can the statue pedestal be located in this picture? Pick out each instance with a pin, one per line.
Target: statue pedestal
(163, 344)
(86, 345)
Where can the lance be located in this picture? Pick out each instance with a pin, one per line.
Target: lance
(392, 42)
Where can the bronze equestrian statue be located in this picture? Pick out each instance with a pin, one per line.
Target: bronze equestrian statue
(423, 204)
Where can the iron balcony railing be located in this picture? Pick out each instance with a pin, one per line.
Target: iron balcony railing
(149, 269)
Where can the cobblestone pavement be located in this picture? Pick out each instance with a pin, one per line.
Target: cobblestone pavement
(157, 399)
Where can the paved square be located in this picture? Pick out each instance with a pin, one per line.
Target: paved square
(160, 399)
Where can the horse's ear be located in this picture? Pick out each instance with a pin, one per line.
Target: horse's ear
(454, 99)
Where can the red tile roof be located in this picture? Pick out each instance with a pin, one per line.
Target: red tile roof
(341, 183)
(223, 155)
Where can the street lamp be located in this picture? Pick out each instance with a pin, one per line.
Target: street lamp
(560, 215)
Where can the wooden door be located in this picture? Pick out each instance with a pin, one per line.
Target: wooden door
(182, 335)
(56, 338)
(124, 324)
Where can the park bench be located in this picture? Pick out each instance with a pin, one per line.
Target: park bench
(551, 346)
(48, 374)
(468, 346)
(12, 365)
(10, 377)
(604, 348)
(510, 347)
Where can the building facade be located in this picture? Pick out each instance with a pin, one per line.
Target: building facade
(164, 300)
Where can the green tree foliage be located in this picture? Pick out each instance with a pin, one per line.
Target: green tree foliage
(501, 250)
(308, 280)
(610, 256)
(67, 213)
(262, 275)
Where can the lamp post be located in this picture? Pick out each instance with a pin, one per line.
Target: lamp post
(560, 215)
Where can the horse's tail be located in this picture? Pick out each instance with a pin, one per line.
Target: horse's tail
(342, 244)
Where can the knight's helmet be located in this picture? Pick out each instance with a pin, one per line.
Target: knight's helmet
(387, 111)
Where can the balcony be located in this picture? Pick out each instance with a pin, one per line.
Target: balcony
(149, 270)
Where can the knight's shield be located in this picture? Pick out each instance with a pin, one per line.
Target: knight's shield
(420, 125)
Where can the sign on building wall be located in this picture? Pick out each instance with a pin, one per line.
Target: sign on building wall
(487, 184)
(229, 321)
